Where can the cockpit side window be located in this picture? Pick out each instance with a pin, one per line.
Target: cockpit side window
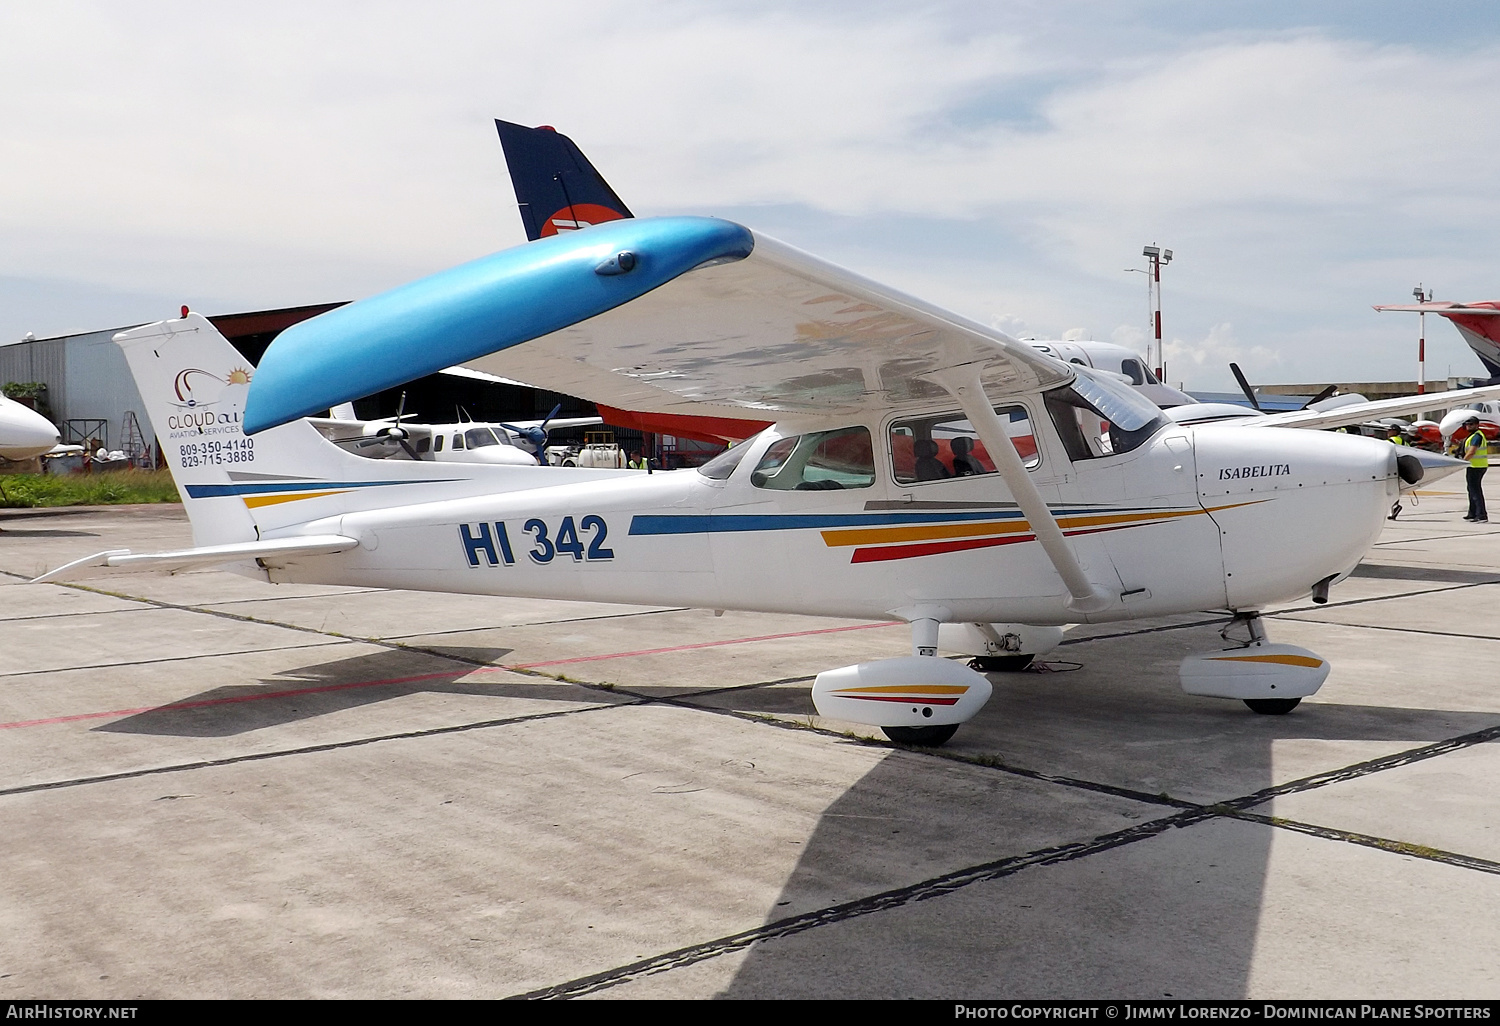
(1137, 372)
(478, 438)
(937, 448)
(822, 460)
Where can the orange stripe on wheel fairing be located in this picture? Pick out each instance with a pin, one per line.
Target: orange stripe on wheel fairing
(1285, 660)
(907, 689)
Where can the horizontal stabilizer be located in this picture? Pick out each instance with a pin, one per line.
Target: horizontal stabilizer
(124, 561)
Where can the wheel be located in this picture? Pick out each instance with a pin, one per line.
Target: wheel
(1001, 664)
(1272, 706)
(928, 737)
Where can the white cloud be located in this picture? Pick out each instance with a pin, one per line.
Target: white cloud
(1207, 359)
(289, 153)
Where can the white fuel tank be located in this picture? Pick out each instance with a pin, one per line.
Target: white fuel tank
(1262, 670)
(910, 691)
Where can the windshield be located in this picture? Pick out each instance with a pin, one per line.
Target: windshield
(1097, 416)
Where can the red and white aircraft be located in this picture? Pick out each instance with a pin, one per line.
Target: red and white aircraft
(1479, 324)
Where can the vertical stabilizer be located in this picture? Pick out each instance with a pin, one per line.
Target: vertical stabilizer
(556, 186)
(234, 487)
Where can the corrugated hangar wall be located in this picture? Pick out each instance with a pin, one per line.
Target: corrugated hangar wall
(87, 381)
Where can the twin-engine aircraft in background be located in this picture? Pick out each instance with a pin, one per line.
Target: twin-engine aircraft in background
(919, 467)
(24, 433)
(519, 444)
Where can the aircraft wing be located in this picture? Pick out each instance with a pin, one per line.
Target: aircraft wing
(557, 422)
(685, 315)
(1446, 309)
(1360, 412)
(102, 564)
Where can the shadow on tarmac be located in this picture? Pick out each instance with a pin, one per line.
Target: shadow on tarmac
(319, 689)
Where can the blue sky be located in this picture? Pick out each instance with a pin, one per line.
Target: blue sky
(1007, 160)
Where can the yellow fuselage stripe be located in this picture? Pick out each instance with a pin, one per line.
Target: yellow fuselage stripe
(254, 501)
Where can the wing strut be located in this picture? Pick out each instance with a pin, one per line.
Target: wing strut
(965, 386)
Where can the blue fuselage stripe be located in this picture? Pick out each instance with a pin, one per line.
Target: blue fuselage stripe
(689, 523)
(215, 491)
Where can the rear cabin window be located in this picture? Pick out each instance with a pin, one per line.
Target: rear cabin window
(815, 462)
(947, 446)
(437, 443)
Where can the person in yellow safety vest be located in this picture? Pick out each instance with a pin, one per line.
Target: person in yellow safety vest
(1476, 449)
(1394, 436)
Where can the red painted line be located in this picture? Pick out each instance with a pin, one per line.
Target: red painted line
(701, 644)
(419, 678)
(203, 702)
(934, 548)
(876, 555)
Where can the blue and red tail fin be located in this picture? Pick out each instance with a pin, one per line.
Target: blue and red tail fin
(556, 186)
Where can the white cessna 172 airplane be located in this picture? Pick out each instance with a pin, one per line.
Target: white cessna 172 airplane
(920, 467)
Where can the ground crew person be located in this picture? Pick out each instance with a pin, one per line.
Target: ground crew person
(1476, 450)
(1394, 436)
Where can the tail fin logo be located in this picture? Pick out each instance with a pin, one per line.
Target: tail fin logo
(197, 390)
(193, 390)
(578, 215)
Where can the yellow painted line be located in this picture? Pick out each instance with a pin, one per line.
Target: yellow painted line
(877, 535)
(934, 532)
(1287, 660)
(254, 501)
(1105, 519)
(907, 689)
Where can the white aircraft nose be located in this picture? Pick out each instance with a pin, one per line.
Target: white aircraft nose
(24, 433)
(1294, 507)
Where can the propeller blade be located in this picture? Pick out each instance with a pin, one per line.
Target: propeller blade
(1320, 396)
(1245, 386)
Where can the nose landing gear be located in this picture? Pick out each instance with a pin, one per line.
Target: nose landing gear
(1270, 679)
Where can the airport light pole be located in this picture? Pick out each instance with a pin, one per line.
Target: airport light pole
(1159, 257)
(1422, 338)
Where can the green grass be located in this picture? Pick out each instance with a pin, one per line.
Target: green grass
(109, 488)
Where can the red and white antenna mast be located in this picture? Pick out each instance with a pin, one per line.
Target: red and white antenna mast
(1422, 338)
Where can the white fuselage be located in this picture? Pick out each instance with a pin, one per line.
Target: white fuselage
(1218, 516)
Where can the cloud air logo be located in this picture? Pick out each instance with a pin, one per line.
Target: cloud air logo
(210, 404)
